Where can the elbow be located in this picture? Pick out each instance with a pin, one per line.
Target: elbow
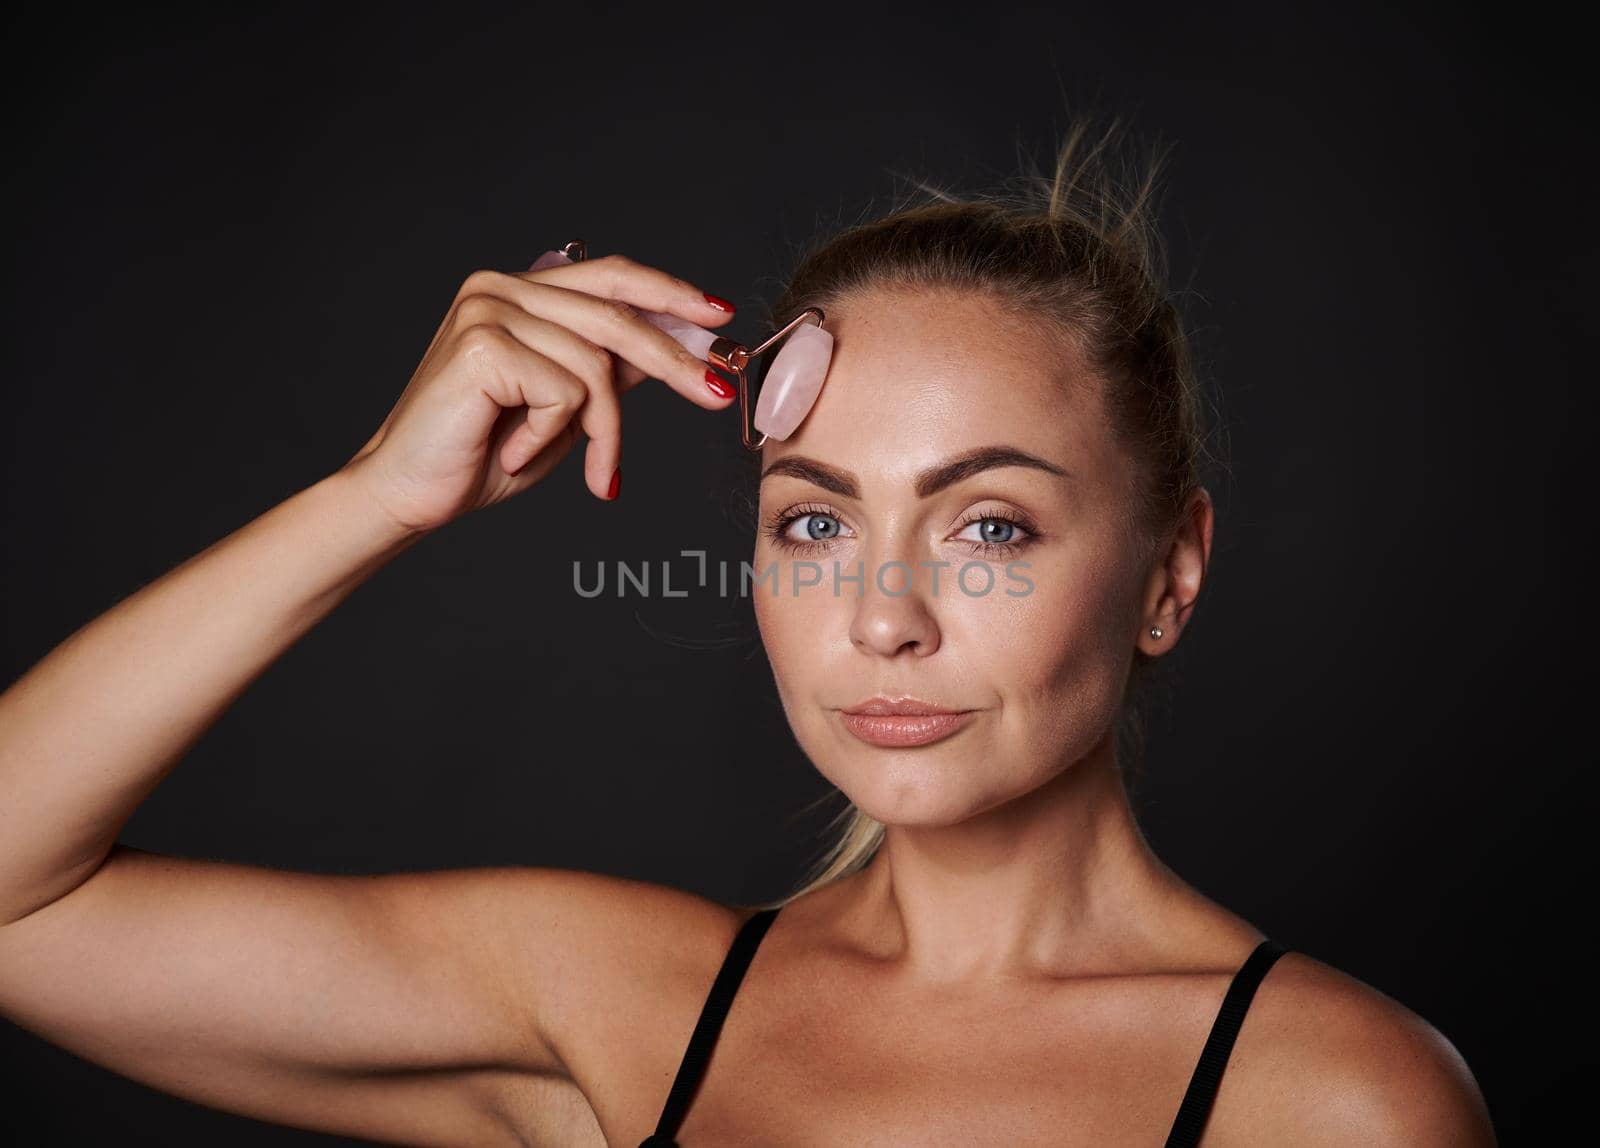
(17, 905)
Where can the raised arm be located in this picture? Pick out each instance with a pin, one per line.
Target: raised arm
(89, 732)
(393, 1007)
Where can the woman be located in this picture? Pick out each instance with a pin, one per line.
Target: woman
(991, 954)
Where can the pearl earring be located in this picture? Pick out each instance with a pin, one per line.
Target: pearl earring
(1155, 631)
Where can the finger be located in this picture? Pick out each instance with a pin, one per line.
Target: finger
(552, 453)
(629, 376)
(603, 457)
(527, 458)
(614, 324)
(511, 442)
(592, 366)
(589, 361)
(624, 374)
(619, 277)
(543, 429)
(514, 377)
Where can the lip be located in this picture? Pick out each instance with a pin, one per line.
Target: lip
(903, 721)
(897, 730)
(881, 706)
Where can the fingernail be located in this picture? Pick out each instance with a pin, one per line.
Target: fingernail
(616, 483)
(718, 302)
(719, 386)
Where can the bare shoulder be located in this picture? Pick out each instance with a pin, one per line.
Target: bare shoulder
(1324, 1058)
(591, 947)
(612, 973)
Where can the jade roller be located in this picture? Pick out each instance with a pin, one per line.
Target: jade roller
(789, 385)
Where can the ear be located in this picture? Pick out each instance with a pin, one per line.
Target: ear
(1176, 575)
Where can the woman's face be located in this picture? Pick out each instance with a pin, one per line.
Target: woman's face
(1039, 651)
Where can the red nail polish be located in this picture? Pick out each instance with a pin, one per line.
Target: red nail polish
(719, 386)
(616, 483)
(718, 302)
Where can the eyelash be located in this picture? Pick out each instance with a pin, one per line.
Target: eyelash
(778, 525)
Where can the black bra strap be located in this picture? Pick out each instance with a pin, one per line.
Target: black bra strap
(709, 1025)
(1191, 1119)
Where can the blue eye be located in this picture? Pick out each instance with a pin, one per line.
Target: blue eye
(821, 527)
(994, 529)
(997, 534)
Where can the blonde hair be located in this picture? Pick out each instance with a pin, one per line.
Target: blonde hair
(1080, 251)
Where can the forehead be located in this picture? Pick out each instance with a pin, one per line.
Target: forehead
(917, 376)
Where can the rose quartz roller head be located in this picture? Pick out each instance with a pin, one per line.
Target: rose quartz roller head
(792, 381)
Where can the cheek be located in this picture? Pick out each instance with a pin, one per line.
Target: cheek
(1067, 656)
(799, 632)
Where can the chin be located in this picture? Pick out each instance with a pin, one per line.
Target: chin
(915, 798)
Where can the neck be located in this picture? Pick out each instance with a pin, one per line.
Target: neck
(1058, 881)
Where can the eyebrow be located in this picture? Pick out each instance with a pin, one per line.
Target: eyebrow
(927, 482)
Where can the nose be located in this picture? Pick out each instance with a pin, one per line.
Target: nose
(893, 612)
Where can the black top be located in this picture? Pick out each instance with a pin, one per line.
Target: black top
(1186, 1128)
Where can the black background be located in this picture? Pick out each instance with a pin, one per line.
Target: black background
(232, 237)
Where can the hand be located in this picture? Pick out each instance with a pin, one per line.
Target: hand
(521, 363)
